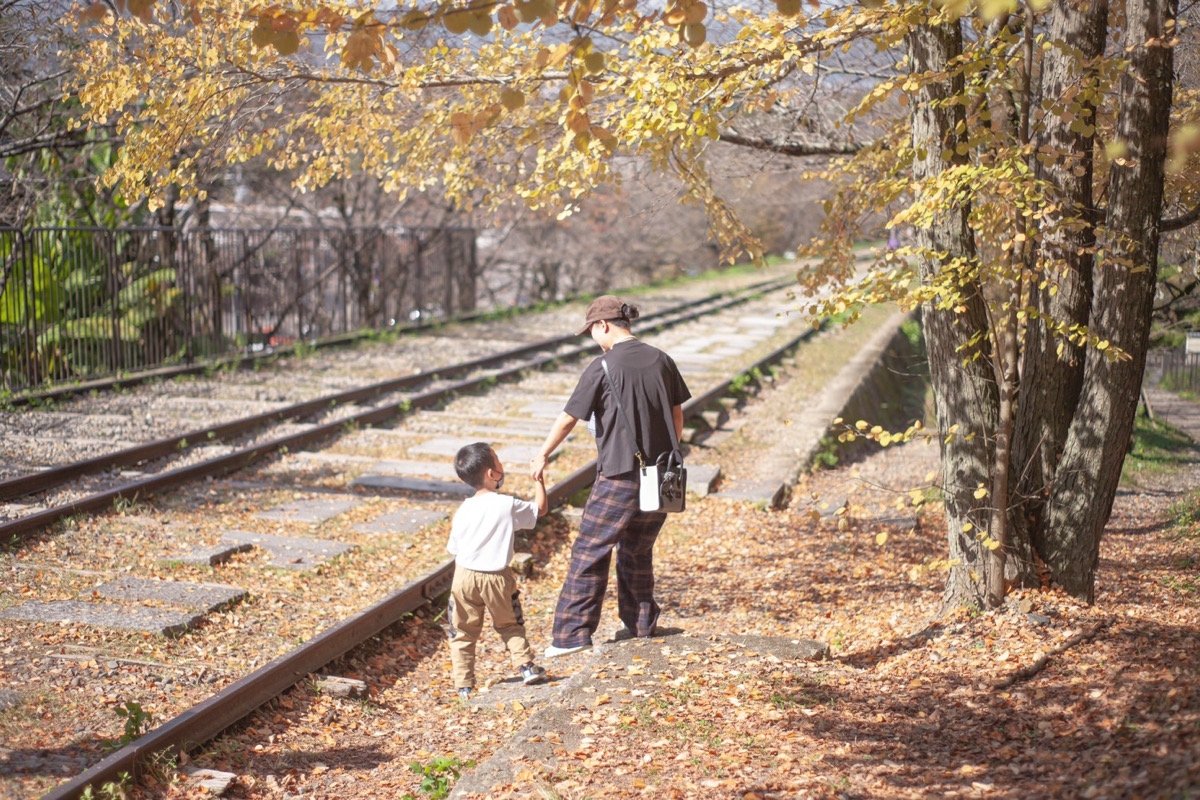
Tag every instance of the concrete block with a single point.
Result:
(438, 445)
(408, 520)
(714, 417)
(400, 483)
(701, 478)
(202, 597)
(544, 409)
(212, 556)
(310, 511)
(342, 687)
(211, 782)
(430, 469)
(290, 552)
(767, 493)
(784, 648)
(161, 621)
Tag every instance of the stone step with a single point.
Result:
(202, 597)
(290, 552)
(765, 492)
(400, 483)
(409, 520)
(212, 556)
(161, 621)
(701, 478)
(309, 511)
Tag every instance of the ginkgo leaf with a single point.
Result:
(512, 99)
(694, 34)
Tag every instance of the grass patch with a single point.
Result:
(1158, 449)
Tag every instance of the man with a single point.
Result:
(651, 393)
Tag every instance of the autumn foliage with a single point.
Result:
(1031, 152)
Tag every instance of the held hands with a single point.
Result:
(537, 468)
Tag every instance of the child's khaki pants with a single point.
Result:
(470, 594)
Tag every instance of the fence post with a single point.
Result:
(299, 294)
(114, 289)
(419, 275)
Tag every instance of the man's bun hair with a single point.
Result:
(629, 312)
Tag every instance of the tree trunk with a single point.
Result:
(1051, 382)
(965, 392)
(1090, 467)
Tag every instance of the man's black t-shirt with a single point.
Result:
(649, 384)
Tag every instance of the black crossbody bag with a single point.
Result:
(663, 484)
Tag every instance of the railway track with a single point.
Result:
(170, 460)
(320, 536)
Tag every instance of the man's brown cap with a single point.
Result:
(608, 307)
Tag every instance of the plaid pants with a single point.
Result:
(610, 519)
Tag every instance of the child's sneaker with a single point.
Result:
(464, 693)
(531, 673)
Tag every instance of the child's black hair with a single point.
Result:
(472, 461)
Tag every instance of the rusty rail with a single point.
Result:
(144, 487)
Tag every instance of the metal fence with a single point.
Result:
(84, 303)
(1173, 369)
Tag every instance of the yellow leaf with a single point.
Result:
(512, 99)
(695, 34)
(286, 42)
(881, 538)
(457, 22)
(480, 23)
(593, 62)
(980, 493)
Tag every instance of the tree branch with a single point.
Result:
(1180, 222)
(58, 138)
(791, 148)
(1027, 672)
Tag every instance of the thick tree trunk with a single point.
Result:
(1090, 467)
(965, 392)
(1052, 382)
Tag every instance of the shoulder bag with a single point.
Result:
(663, 484)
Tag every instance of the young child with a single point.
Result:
(481, 540)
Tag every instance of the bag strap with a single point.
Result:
(621, 410)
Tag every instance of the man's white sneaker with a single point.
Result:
(555, 652)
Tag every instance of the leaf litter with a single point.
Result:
(1046, 697)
